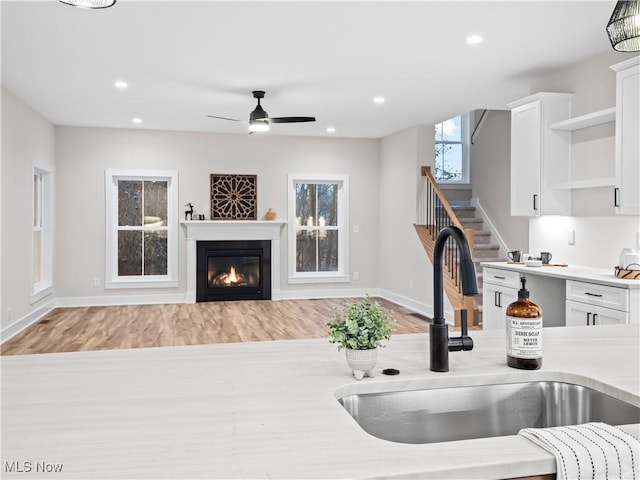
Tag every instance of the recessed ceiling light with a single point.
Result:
(120, 84)
(331, 129)
(136, 120)
(378, 100)
(474, 39)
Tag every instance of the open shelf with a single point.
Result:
(584, 121)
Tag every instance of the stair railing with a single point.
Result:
(434, 213)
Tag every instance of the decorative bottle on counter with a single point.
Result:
(524, 332)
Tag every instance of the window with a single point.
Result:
(141, 229)
(318, 233)
(42, 258)
(451, 152)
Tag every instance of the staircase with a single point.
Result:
(434, 213)
(482, 250)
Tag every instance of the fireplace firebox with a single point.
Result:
(233, 270)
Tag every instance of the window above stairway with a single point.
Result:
(451, 151)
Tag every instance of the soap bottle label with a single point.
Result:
(524, 337)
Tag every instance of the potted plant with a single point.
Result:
(360, 328)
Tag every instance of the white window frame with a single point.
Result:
(42, 222)
(112, 279)
(465, 136)
(342, 274)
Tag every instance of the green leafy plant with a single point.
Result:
(360, 326)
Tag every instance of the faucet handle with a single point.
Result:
(464, 341)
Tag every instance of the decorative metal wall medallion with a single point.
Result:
(233, 197)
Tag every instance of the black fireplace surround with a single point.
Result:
(233, 270)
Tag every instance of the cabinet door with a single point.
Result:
(627, 193)
(495, 300)
(490, 310)
(582, 314)
(525, 159)
(607, 316)
(578, 314)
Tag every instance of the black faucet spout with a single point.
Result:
(440, 343)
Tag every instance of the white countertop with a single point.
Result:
(602, 276)
(269, 409)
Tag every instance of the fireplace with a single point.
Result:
(233, 270)
(197, 231)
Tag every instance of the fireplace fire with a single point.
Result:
(231, 278)
(247, 275)
(233, 270)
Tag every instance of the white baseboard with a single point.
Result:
(328, 293)
(415, 306)
(408, 303)
(103, 301)
(26, 321)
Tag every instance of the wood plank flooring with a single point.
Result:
(136, 326)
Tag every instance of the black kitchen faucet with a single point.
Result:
(440, 343)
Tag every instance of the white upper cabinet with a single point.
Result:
(627, 156)
(540, 155)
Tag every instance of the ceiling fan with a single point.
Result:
(259, 119)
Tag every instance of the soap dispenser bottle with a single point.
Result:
(524, 332)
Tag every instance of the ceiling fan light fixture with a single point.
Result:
(92, 4)
(258, 113)
(259, 120)
(624, 26)
(259, 125)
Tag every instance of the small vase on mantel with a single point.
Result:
(271, 214)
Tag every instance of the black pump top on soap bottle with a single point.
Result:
(523, 293)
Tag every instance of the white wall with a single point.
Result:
(600, 234)
(83, 154)
(27, 142)
(599, 240)
(405, 270)
(491, 177)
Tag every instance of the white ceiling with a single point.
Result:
(184, 60)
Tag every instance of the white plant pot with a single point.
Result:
(362, 362)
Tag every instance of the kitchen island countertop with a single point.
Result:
(270, 409)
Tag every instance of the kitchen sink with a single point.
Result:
(458, 413)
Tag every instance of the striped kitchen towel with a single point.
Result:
(589, 451)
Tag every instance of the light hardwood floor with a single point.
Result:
(135, 326)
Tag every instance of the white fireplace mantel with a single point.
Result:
(212, 230)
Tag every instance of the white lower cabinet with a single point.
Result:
(495, 301)
(590, 304)
(566, 297)
(499, 289)
(582, 314)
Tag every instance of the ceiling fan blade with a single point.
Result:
(291, 119)
(225, 118)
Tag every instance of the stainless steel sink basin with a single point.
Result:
(457, 413)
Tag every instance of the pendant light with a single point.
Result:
(94, 4)
(624, 26)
